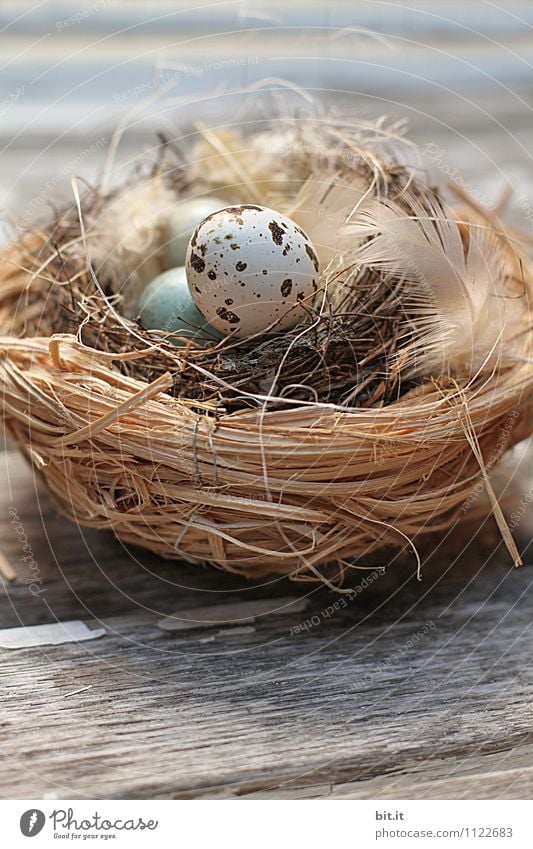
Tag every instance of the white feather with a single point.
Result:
(324, 207)
(463, 317)
(125, 243)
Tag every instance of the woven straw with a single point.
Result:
(255, 492)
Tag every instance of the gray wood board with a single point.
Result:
(418, 689)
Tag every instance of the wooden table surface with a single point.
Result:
(409, 690)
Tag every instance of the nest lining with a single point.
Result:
(344, 356)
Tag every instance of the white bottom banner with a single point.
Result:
(260, 824)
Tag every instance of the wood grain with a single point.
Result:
(419, 689)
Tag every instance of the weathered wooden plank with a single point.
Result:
(384, 696)
(504, 775)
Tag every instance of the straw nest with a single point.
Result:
(375, 421)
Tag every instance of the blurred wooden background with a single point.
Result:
(461, 73)
(414, 690)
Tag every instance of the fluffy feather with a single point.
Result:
(464, 316)
(244, 169)
(125, 242)
(324, 207)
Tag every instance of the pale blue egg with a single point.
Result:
(166, 304)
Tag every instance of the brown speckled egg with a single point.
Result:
(249, 268)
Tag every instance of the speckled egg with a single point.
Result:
(166, 304)
(182, 222)
(249, 268)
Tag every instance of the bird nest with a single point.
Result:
(374, 421)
